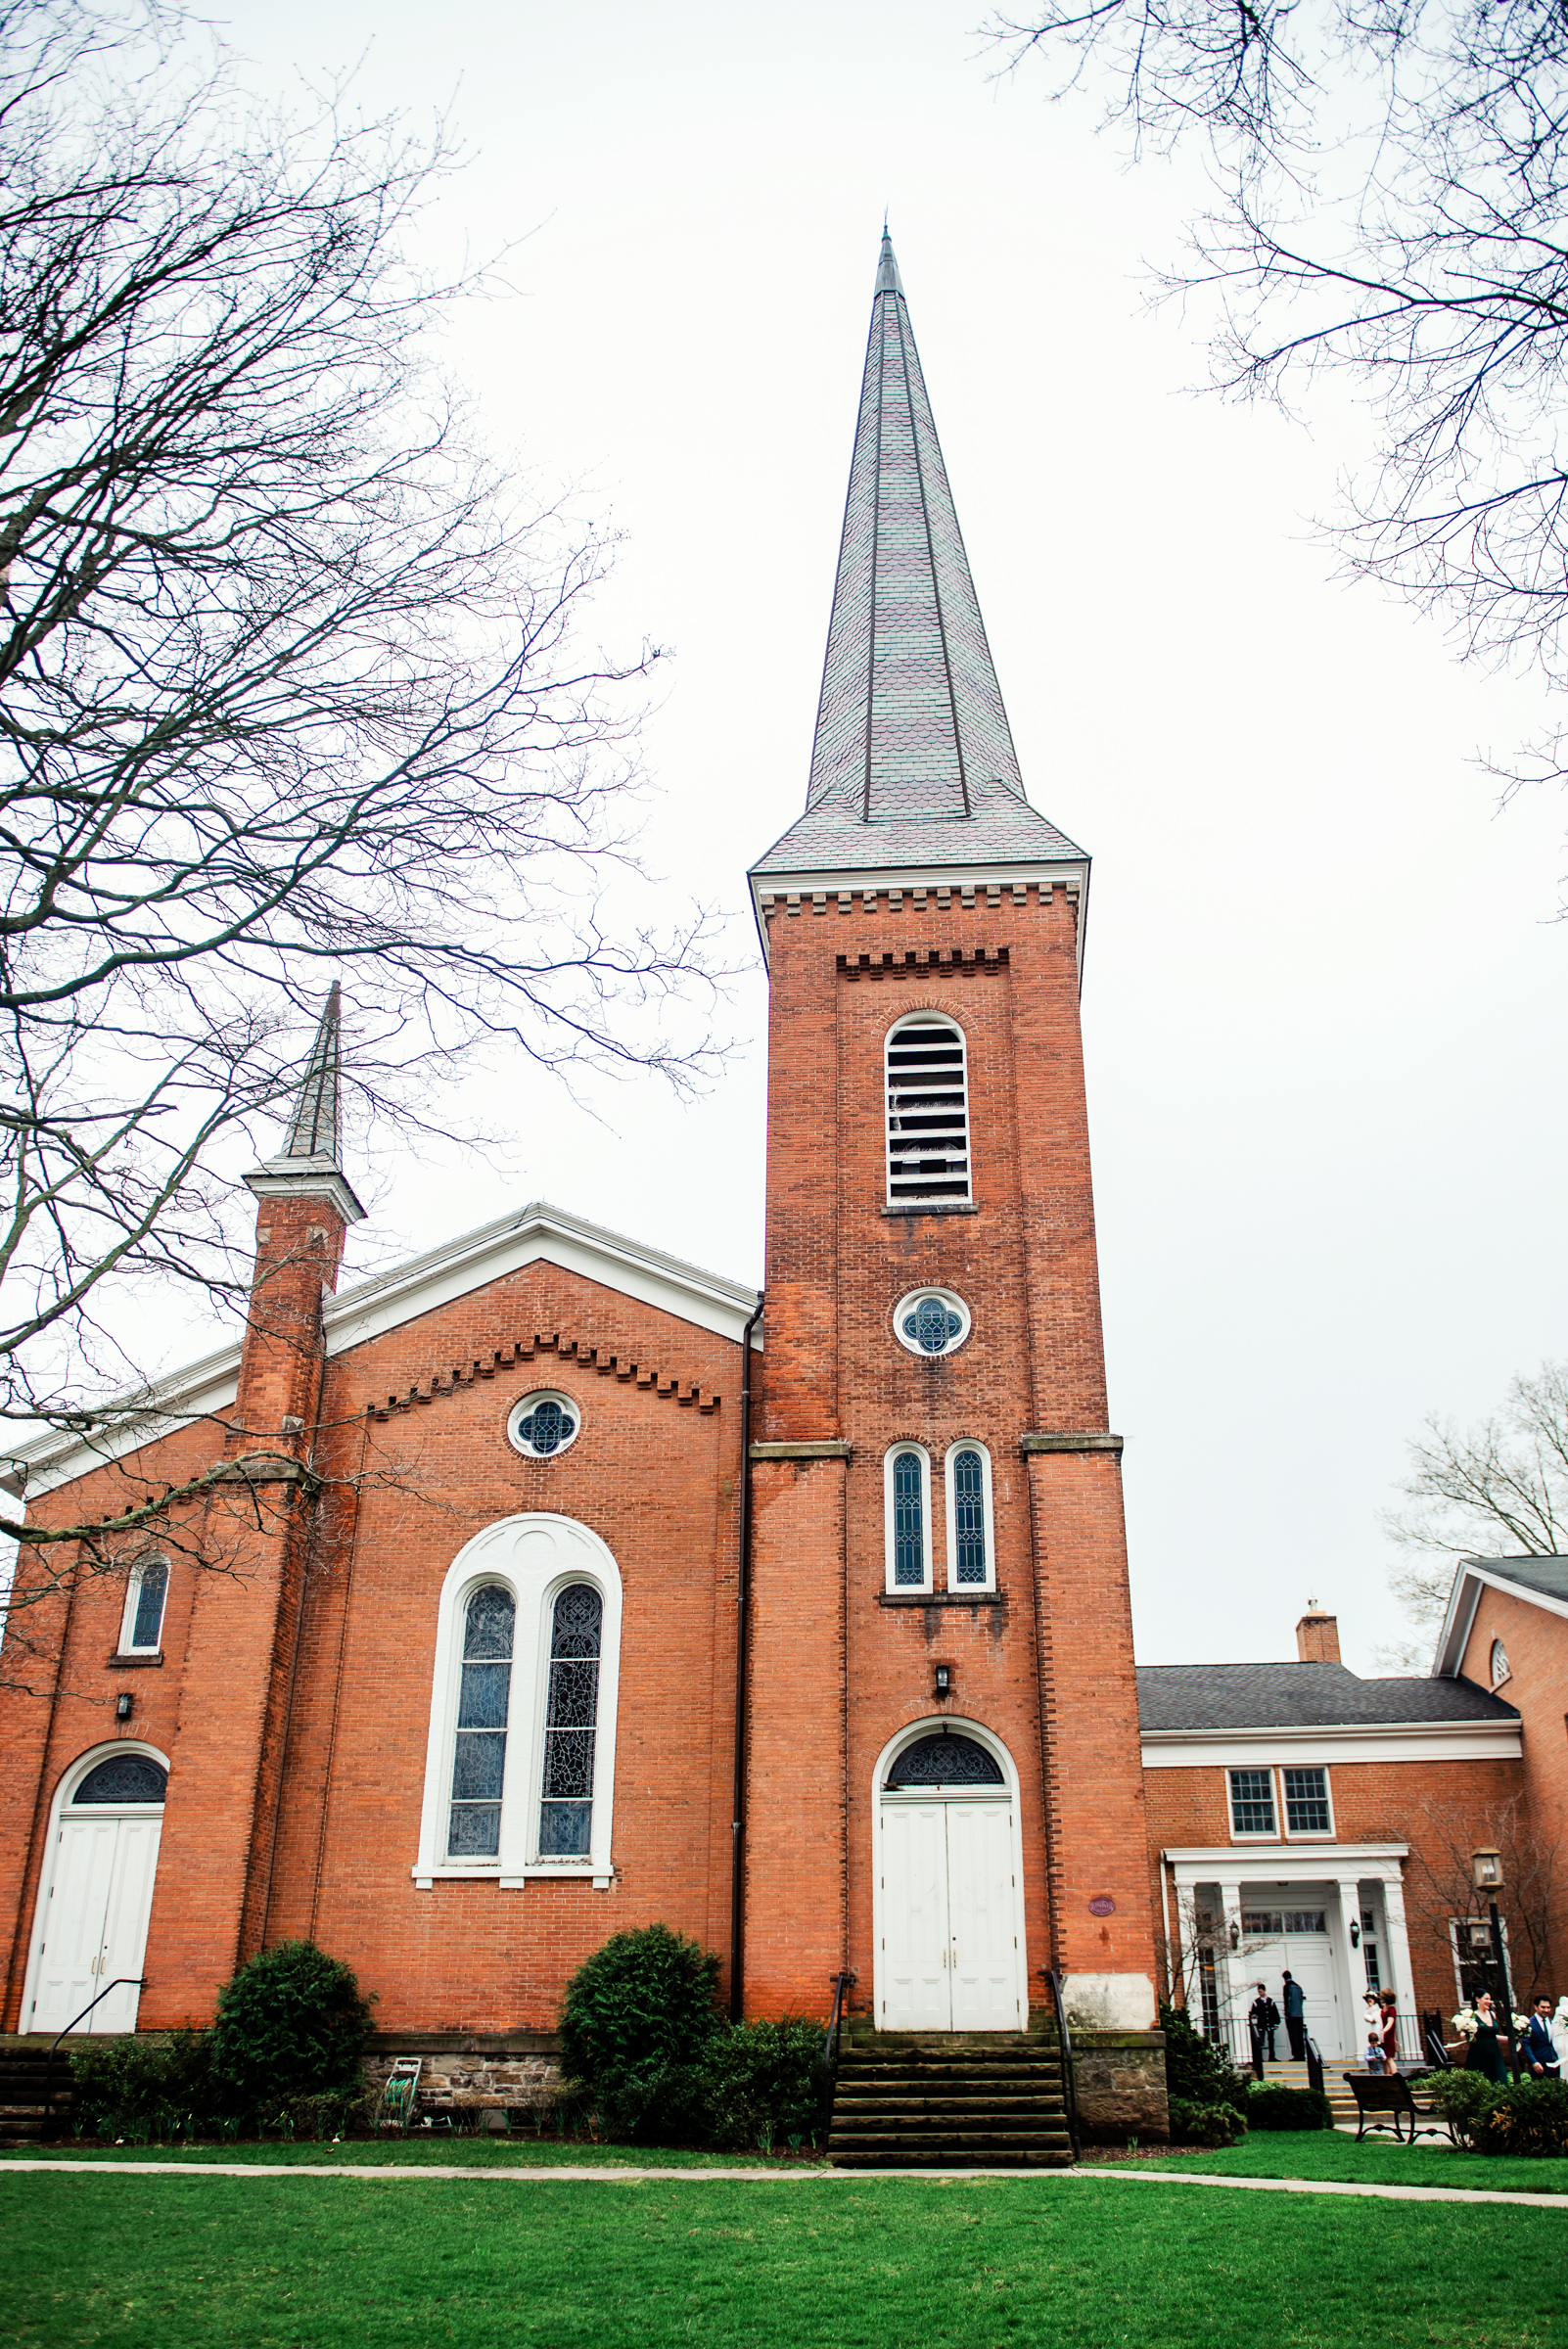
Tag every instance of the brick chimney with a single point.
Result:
(1318, 1636)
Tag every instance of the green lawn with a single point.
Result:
(140, 2262)
(1326, 2153)
(434, 2152)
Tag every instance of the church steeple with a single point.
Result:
(912, 720)
(912, 763)
(309, 1164)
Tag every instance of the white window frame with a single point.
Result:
(927, 1584)
(133, 1595)
(534, 1573)
(1252, 1834)
(922, 1019)
(988, 1515)
(1282, 1807)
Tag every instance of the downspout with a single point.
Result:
(743, 1577)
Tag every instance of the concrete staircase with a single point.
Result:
(23, 2074)
(925, 2100)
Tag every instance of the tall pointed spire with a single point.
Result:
(910, 721)
(310, 1164)
(313, 1128)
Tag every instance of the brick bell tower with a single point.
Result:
(943, 1788)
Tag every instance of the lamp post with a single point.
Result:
(1487, 1869)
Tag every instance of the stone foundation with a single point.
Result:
(518, 2073)
(1120, 2086)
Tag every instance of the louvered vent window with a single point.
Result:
(928, 1112)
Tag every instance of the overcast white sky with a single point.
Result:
(1323, 993)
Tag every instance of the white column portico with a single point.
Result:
(1397, 1939)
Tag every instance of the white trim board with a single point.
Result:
(1283, 1862)
(534, 1234)
(1242, 1749)
(1474, 1576)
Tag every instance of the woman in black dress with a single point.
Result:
(1486, 2048)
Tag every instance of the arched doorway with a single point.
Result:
(97, 1893)
(949, 1904)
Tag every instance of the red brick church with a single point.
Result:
(547, 1586)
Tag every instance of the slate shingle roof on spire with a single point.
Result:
(914, 760)
(313, 1128)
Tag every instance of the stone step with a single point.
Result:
(1057, 2159)
(960, 2105)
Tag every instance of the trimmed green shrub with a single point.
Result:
(761, 2083)
(1205, 2124)
(1275, 2106)
(293, 2023)
(636, 2026)
(1195, 2070)
(140, 2088)
(1528, 2116)
(1462, 2097)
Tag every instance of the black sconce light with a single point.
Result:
(1235, 1937)
(944, 1680)
(1356, 1935)
(122, 1705)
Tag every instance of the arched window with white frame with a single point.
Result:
(928, 1112)
(906, 1504)
(971, 1531)
(141, 1626)
(520, 1761)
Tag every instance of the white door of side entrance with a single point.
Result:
(950, 1957)
(97, 1899)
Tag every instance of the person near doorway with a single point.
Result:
(1295, 2015)
(1537, 2050)
(1263, 2020)
(1374, 2049)
(1389, 2029)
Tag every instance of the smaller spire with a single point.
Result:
(313, 1128)
(887, 279)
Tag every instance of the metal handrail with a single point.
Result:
(830, 2046)
(1065, 2040)
(1314, 2063)
(118, 1983)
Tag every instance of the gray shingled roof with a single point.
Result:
(1549, 1576)
(1300, 1696)
(912, 763)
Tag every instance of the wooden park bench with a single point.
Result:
(1380, 2093)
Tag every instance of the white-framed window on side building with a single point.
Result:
(1307, 1809)
(1252, 1803)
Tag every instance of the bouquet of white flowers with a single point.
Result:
(1467, 2022)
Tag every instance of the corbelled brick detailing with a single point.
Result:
(887, 965)
(591, 1357)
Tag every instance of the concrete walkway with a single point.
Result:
(578, 2174)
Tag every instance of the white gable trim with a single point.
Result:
(1472, 1578)
(537, 1233)
(1409, 1741)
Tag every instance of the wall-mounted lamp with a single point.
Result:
(944, 1680)
(1235, 1937)
(1356, 1935)
(122, 1705)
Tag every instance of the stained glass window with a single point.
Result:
(478, 1760)
(546, 1427)
(932, 1326)
(152, 1588)
(969, 1516)
(124, 1779)
(908, 1521)
(571, 1721)
(946, 1761)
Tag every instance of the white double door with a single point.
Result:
(1310, 1958)
(93, 1920)
(950, 1955)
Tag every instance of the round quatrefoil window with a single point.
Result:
(541, 1425)
(931, 1322)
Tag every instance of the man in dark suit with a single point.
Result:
(1295, 2015)
(1538, 2051)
